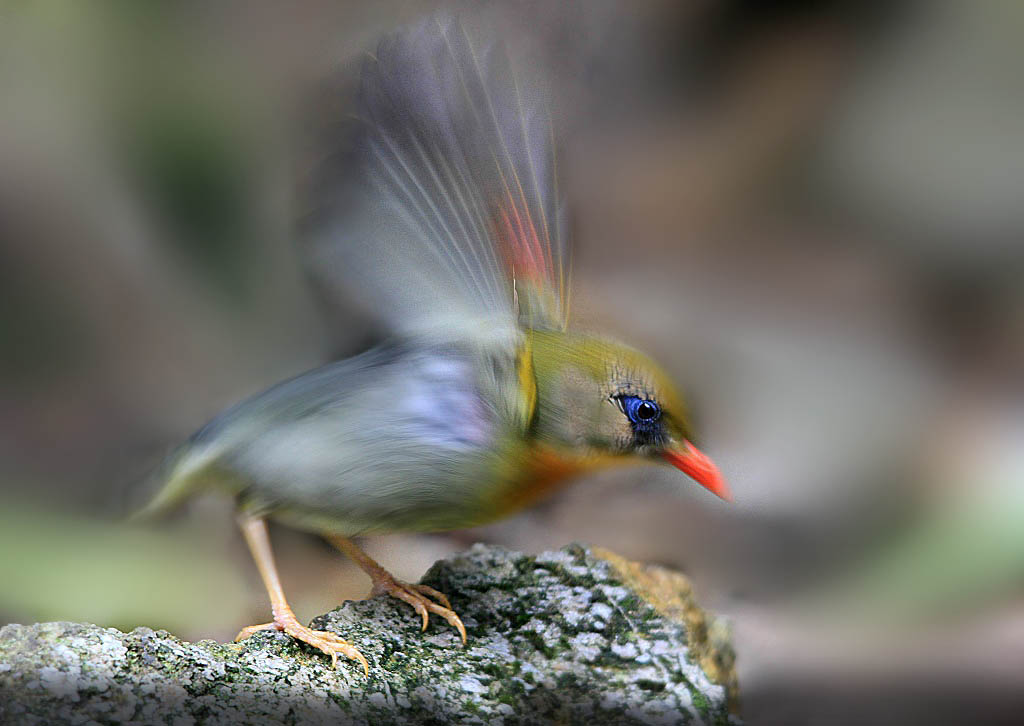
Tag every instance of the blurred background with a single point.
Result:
(812, 212)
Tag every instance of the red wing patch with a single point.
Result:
(521, 248)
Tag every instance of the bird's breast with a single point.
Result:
(542, 470)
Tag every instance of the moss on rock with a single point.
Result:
(571, 636)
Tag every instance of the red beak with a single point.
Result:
(695, 464)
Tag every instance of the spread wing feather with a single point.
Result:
(451, 218)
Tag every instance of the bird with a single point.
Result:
(448, 222)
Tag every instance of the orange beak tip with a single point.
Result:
(698, 466)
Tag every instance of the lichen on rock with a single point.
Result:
(571, 636)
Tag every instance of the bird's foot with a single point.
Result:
(419, 596)
(322, 640)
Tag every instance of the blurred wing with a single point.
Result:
(453, 219)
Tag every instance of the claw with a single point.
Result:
(402, 593)
(417, 596)
(323, 640)
(431, 592)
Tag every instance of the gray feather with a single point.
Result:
(403, 437)
(399, 438)
(448, 130)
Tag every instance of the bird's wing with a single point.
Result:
(454, 220)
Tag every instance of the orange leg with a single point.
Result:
(255, 531)
(384, 582)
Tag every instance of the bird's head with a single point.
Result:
(605, 398)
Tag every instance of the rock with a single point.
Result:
(574, 636)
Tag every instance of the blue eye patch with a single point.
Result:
(639, 410)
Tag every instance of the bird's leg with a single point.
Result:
(419, 596)
(255, 531)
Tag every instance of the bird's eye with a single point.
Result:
(647, 411)
(639, 410)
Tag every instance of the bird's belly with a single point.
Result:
(424, 493)
(434, 494)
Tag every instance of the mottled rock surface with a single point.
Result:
(574, 636)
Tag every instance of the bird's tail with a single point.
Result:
(176, 479)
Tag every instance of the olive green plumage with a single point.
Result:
(452, 229)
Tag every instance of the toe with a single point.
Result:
(326, 642)
(418, 596)
(431, 592)
(352, 653)
(253, 629)
(332, 637)
(451, 616)
(413, 599)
